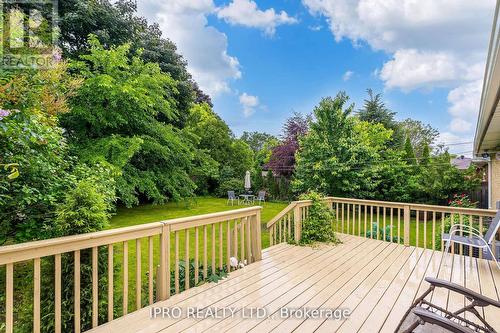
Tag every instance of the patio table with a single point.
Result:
(247, 199)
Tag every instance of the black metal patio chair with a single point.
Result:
(423, 316)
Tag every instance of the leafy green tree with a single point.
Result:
(117, 23)
(257, 140)
(122, 112)
(420, 134)
(337, 155)
(409, 152)
(375, 111)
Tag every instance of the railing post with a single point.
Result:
(163, 279)
(297, 222)
(406, 221)
(256, 237)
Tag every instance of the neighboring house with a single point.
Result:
(461, 162)
(487, 138)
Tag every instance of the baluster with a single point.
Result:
(366, 218)
(288, 219)
(125, 278)
(235, 238)
(138, 285)
(95, 292)
(359, 220)
(77, 291)
(337, 215)
(371, 222)
(354, 219)
(242, 238)
(110, 282)
(343, 230)
(470, 234)
(383, 223)
(186, 260)
(425, 229)
(481, 232)
(399, 225)
(378, 222)
(228, 246)
(391, 219)
(205, 253)
(348, 219)
(221, 243)
(434, 230)
(36, 295)
(213, 248)
(150, 268)
(417, 227)
(461, 248)
(248, 239)
(196, 250)
(57, 290)
(442, 229)
(279, 231)
(176, 272)
(9, 298)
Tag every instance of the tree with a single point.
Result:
(420, 134)
(409, 152)
(121, 115)
(257, 140)
(337, 155)
(375, 111)
(117, 23)
(282, 160)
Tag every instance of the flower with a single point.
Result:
(4, 113)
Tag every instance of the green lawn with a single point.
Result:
(153, 213)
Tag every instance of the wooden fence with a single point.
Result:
(226, 230)
(409, 224)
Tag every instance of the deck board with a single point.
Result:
(376, 280)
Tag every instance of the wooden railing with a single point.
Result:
(409, 224)
(226, 229)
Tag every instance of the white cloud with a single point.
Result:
(433, 43)
(203, 46)
(249, 103)
(315, 27)
(247, 13)
(347, 75)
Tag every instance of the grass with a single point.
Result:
(153, 213)
(425, 230)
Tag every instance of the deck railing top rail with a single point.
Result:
(48, 247)
(414, 206)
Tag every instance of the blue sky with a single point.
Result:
(262, 60)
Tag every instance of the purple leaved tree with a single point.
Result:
(282, 160)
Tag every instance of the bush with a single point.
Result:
(380, 231)
(232, 184)
(317, 227)
(84, 210)
(459, 200)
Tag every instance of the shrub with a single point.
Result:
(317, 227)
(232, 184)
(459, 200)
(380, 231)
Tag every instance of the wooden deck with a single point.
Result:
(376, 280)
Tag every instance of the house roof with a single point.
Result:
(487, 137)
(461, 163)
